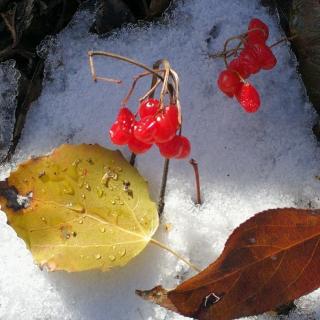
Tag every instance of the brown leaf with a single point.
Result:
(269, 260)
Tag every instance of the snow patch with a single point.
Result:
(248, 162)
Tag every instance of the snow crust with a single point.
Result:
(248, 163)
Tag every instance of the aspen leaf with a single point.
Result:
(268, 261)
(82, 207)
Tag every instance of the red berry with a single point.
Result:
(120, 133)
(229, 82)
(137, 146)
(145, 129)
(236, 65)
(178, 147)
(269, 62)
(259, 35)
(265, 55)
(185, 148)
(172, 148)
(171, 113)
(249, 60)
(125, 115)
(248, 97)
(148, 107)
(167, 124)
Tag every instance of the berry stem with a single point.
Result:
(240, 37)
(177, 101)
(173, 97)
(161, 202)
(135, 80)
(151, 91)
(91, 54)
(284, 39)
(194, 164)
(164, 88)
(227, 53)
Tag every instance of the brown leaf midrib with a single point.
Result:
(253, 263)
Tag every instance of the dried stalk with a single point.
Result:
(194, 164)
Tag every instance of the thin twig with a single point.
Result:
(166, 66)
(94, 74)
(151, 91)
(135, 80)
(164, 89)
(161, 202)
(234, 51)
(177, 100)
(133, 159)
(241, 38)
(91, 54)
(284, 39)
(194, 164)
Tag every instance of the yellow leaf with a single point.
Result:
(88, 209)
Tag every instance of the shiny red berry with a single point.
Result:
(120, 133)
(125, 115)
(249, 60)
(185, 148)
(170, 149)
(171, 113)
(248, 97)
(237, 66)
(148, 107)
(269, 60)
(137, 146)
(265, 55)
(229, 82)
(167, 124)
(259, 35)
(144, 130)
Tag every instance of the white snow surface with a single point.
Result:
(248, 162)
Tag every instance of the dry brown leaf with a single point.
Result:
(269, 260)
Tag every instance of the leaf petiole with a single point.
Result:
(163, 246)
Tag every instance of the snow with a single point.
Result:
(248, 162)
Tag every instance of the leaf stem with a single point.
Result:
(163, 246)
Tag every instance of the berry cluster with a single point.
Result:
(254, 56)
(157, 125)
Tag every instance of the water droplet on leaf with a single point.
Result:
(68, 189)
(122, 252)
(100, 192)
(76, 207)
